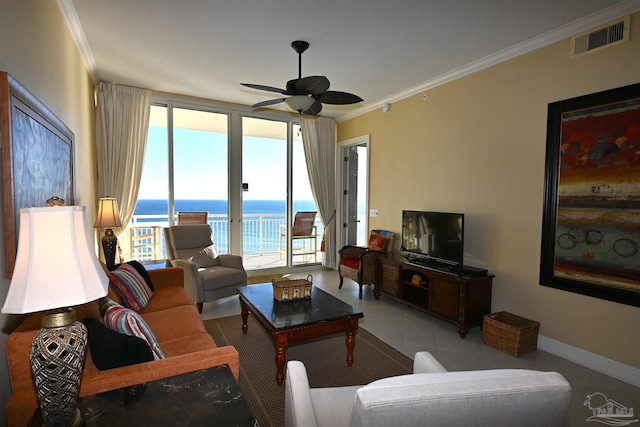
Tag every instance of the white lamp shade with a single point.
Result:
(56, 265)
(300, 102)
(108, 213)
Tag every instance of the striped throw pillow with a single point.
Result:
(128, 322)
(131, 287)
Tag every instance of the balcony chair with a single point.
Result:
(208, 276)
(189, 218)
(431, 396)
(359, 263)
(303, 228)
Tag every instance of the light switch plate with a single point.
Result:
(373, 213)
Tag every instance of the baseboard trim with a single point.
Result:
(614, 369)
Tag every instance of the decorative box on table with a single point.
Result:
(290, 290)
(510, 333)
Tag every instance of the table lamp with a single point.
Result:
(108, 217)
(56, 267)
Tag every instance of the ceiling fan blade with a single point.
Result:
(338, 98)
(291, 87)
(314, 85)
(268, 102)
(315, 108)
(267, 88)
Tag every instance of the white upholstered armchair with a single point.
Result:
(431, 396)
(208, 276)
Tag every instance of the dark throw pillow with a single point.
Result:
(143, 272)
(110, 349)
(128, 322)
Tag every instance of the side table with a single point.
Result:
(209, 397)
(154, 264)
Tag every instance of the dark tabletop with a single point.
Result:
(321, 307)
(209, 397)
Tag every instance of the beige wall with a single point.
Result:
(477, 145)
(36, 48)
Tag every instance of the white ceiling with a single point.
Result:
(379, 50)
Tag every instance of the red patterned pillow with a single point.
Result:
(377, 243)
(131, 287)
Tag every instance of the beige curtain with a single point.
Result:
(319, 141)
(122, 123)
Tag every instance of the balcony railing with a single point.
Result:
(262, 240)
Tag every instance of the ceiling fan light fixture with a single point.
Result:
(299, 103)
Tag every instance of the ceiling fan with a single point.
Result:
(306, 95)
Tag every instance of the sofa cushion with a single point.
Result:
(175, 322)
(220, 277)
(126, 321)
(109, 349)
(188, 344)
(351, 262)
(333, 405)
(131, 287)
(169, 297)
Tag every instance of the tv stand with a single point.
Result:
(457, 298)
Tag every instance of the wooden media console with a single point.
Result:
(459, 299)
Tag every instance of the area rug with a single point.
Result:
(324, 358)
(266, 278)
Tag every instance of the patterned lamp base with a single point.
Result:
(109, 246)
(57, 359)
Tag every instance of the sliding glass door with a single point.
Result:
(264, 196)
(200, 168)
(185, 170)
(248, 173)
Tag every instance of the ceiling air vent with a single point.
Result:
(602, 37)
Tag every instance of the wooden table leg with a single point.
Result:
(281, 357)
(351, 342)
(245, 316)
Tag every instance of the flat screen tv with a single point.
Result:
(438, 236)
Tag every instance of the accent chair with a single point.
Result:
(303, 228)
(359, 263)
(431, 396)
(189, 218)
(208, 276)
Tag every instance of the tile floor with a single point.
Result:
(410, 330)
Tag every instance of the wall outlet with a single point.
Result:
(373, 213)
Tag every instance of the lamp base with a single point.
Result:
(109, 246)
(57, 360)
(78, 419)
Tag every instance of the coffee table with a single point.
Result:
(300, 320)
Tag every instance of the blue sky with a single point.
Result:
(201, 167)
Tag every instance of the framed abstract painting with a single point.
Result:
(37, 158)
(591, 219)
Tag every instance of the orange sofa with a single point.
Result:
(172, 316)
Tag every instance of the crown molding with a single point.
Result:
(599, 18)
(77, 33)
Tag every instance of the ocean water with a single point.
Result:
(161, 207)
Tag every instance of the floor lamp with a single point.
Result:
(56, 267)
(108, 217)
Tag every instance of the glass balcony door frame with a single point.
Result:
(235, 115)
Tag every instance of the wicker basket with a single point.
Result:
(512, 334)
(291, 290)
